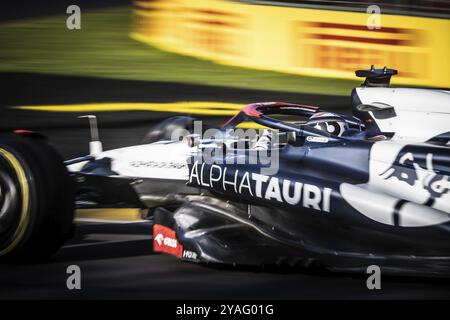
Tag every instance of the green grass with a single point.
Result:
(102, 48)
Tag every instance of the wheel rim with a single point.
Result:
(14, 202)
(9, 200)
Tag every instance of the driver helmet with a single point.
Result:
(328, 122)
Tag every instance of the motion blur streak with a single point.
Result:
(311, 42)
(201, 107)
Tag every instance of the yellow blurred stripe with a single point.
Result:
(190, 107)
(250, 125)
(254, 125)
(120, 214)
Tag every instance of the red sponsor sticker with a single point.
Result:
(165, 240)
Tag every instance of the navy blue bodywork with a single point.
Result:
(230, 212)
(240, 229)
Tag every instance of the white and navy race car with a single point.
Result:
(304, 186)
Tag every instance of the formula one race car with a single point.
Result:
(303, 186)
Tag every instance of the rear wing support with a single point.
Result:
(376, 77)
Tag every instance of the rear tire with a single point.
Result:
(36, 200)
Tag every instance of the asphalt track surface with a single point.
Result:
(116, 260)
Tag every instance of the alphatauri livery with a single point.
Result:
(311, 187)
(307, 187)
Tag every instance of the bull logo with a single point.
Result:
(413, 167)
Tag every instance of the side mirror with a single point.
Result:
(378, 109)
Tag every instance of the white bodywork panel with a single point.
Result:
(382, 156)
(380, 206)
(159, 160)
(421, 113)
(378, 198)
(156, 160)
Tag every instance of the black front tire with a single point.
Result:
(36, 200)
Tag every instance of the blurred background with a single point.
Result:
(133, 63)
